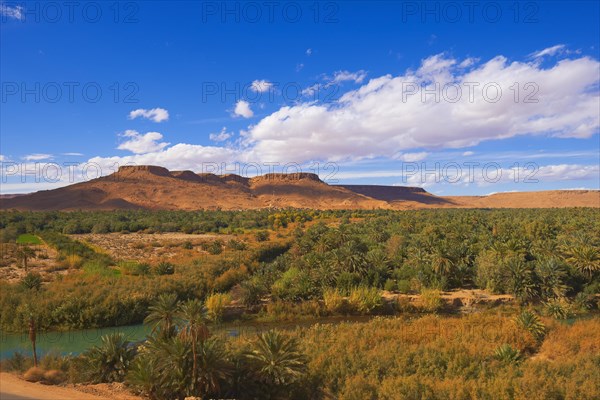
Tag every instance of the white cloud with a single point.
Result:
(221, 136)
(242, 109)
(412, 157)
(72, 154)
(299, 67)
(549, 51)
(309, 52)
(343, 76)
(468, 153)
(467, 62)
(261, 86)
(382, 118)
(2, 158)
(142, 144)
(38, 157)
(15, 12)
(181, 156)
(154, 114)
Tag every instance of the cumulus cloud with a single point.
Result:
(12, 12)
(181, 156)
(221, 136)
(261, 86)
(384, 119)
(142, 144)
(154, 114)
(38, 157)
(309, 52)
(242, 109)
(2, 158)
(389, 114)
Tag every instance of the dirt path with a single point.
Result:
(14, 388)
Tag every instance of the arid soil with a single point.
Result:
(43, 261)
(146, 246)
(152, 187)
(15, 388)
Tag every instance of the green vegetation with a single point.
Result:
(27, 238)
(487, 355)
(283, 264)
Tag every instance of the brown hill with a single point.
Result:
(153, 187)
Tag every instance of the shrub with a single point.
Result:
(230, 278)
(506, 354)
(364, 299)
(215, 247)
(530, 322)
(390, 285)
(54, 377)
(18, 362)
(34, 374)
(558, 308)
(32, 281)
(404, 286)
(215, 305)
(334, 301)
(295, 284)
(236, 245)
(187, 245)
(261, 236)
(251, 291)
(431, 300)
(165, 268)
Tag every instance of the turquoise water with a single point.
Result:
(68, 342)
(77, 341)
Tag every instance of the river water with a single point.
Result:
(77, 341)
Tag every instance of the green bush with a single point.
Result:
(165, 268)
(365, 300)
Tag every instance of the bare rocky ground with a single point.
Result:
(43, 262)
(145, 246)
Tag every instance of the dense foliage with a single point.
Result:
(312, 262)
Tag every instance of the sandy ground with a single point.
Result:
(145, 246)
(14, 388)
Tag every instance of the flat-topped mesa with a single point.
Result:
(292, 177)
(141, 170)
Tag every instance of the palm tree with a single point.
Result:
(213, 367)
(551, 275)
(163, 315)
(110, 361)
(530, 322)
(32, 337)
(24, 254)
(520, 279)
(507, 354)
(193, 320)
(277, 360)
(585, 259)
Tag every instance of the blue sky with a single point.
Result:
(362, 92)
